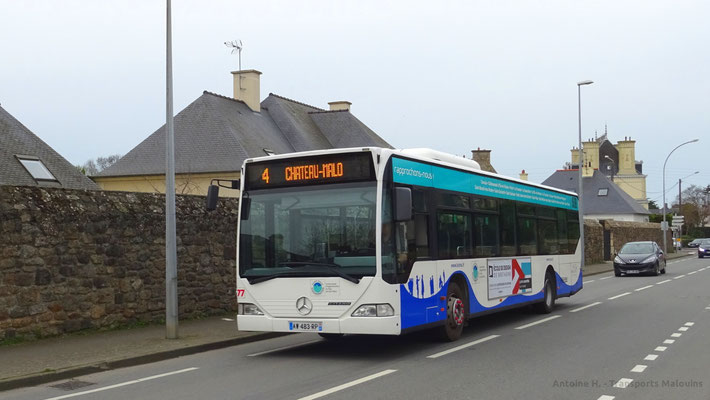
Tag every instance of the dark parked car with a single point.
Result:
(696, 242)
(704, 248)
(636, 258)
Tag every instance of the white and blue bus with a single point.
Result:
(382, 241)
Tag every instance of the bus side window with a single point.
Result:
(507, 228)
(454, 233)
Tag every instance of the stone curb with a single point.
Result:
(71, 372)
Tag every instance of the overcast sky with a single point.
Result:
(88, 77)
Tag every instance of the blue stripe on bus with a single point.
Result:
(415, 311)
(415, 173)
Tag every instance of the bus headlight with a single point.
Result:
(248, 309)
(374, 310)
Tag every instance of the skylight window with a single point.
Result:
(36, 168)
(603, 192)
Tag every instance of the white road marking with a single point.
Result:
(623, 383)
(676, 334)
(662, 282)
(605, 397)
(639, 368)
(349, 384)
(707, 308)
(651, 357)
(643, 288)
(463, 346)
(660, 348)
(228, 319)
(683, 328)
(587, 306)
(66, 396)
(679, 276)
(689, 323)
(619, 295)
(669, 341)
(283, 348)
(585, 282)
(692, 272)
(538, 322)
(606, 277)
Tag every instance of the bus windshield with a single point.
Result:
(325, 230)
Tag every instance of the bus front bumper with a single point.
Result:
(349, 325)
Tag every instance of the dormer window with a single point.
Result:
(36, 168)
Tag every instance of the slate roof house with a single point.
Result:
(602, 198)
(26, 160)
(215, 134)
(616, 161)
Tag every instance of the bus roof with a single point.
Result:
(421, 154)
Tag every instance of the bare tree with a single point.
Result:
(695, 207)
(93, 167)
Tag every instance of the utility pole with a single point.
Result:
(680, 209)
(171, 300)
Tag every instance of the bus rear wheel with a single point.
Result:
(455, 313)
(548, 302)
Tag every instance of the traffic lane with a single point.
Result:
(578, 355)
(276, 368)
(318, 349)
(604, 286)
(680, 371)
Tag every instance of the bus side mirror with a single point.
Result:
(246, 202)
(212, 197)
(403, 204)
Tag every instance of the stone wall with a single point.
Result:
(624, 232)
(73, 259)
(620, 234)
(593, 242)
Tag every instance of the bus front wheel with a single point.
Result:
(455, 313)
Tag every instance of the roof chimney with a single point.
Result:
(523, 176)
(246, 88)
(483, 158)
(340, 105)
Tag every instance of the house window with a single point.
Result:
(36, 168)
(603, 192)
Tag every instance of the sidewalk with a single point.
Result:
(47, 360)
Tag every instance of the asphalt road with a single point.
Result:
(624, 338)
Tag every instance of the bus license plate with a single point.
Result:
(305, 326)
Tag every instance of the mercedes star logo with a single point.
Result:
(304, 306)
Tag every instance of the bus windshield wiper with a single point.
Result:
(331, 267)
(265, 278)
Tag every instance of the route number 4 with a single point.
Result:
(265, 175)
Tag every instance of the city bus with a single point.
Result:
(383, 241)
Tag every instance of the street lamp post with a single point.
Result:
(581, 163)
(664, 226)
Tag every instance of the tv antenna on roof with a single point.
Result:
(236, 46)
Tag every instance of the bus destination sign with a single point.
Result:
(336, 168)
